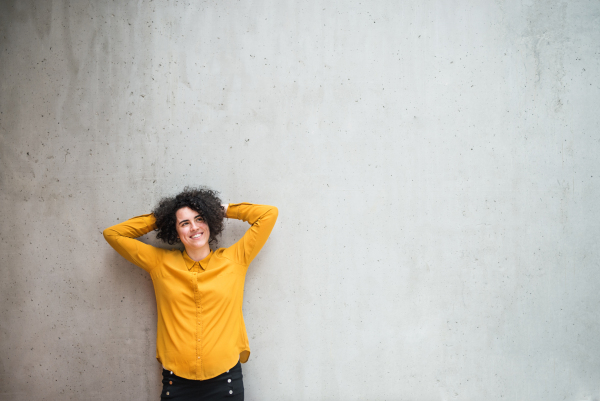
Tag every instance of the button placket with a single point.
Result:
(168, 392)
(199, 327)
(229, 384)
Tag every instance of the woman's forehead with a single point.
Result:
(186, 213)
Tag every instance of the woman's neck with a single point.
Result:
(198, 254)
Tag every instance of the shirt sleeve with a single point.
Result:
(122, 238)
(262, 219)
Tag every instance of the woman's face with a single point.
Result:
(192, 229)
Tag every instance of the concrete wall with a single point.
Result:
(435, 164)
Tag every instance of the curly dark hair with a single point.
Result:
(202, 200)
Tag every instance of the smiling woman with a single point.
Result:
(194, 232)
(202, 200)
(201, 335)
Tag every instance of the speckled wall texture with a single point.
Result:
(435, 164)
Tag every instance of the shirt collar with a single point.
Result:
(190, 263)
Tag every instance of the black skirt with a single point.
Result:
(226, 386)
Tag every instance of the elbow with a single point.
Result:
(108, 233)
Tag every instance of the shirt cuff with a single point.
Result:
(150, 221)
(233, 210)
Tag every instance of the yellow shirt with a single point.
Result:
(200, 329)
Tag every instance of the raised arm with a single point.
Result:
(262, 219)
(122, 238)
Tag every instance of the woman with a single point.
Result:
(201, 337)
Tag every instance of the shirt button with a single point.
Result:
(170, 382)
(230, 392)
(228, 380)
(227, 371)
(168, 393)
(171, 372)
(198, 357)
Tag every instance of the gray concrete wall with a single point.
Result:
(435, 164)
